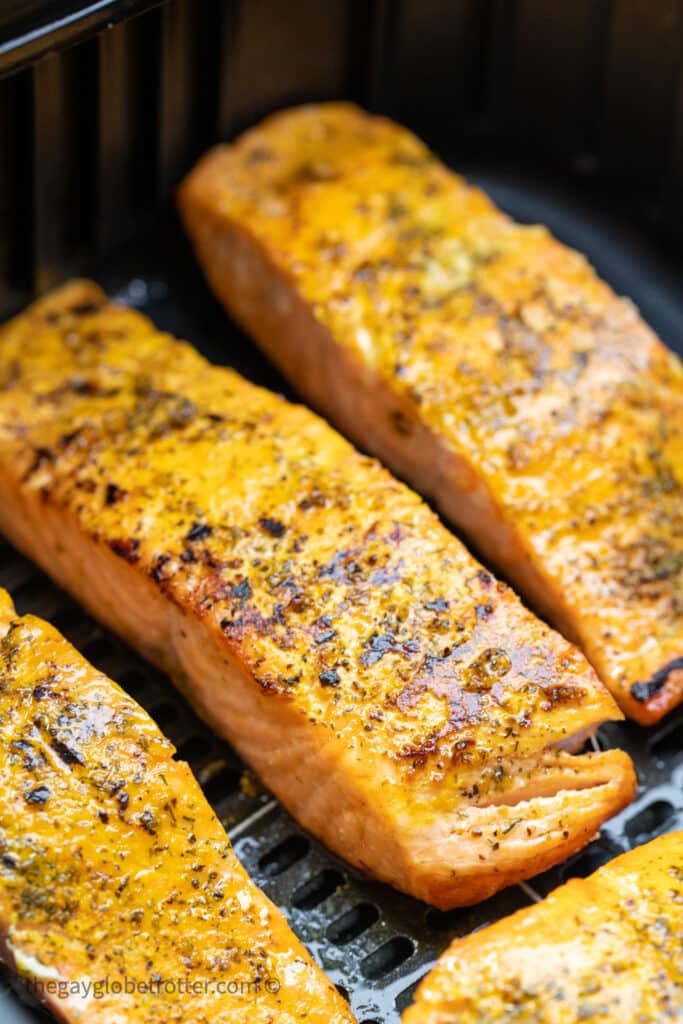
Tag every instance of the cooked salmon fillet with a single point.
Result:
(607, 949)
(480, 359)
(115, 872)
(403, 705)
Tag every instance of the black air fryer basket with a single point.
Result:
(568, 113)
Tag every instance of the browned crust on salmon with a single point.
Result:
(398, 699)
(121, 898)
(480, 359)
(604, 948)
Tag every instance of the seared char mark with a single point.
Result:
(380, 643)
(645, 691)
(160, 572)
(41, 458)
(68, 754)
(199, 531)
(272, 526)
(114, 494)
(127, 548)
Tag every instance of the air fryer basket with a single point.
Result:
(531, 104)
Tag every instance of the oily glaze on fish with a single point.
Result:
(114, 870)
(605, 948)
(482, 360)
(401, 702)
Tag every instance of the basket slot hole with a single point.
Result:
(284, 856)
(221, 784)
(650, 822)
(343, 992)
(668, 743)
(352, 924)
(387, 957)
(194, 749)
(317, 889)
(586, 863)
(164, 714)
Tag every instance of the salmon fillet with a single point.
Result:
(607, 948)
(480, 359)
(114, 870)
(401, 702)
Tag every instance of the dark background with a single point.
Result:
(570, 113)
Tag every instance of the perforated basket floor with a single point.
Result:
(374, 943)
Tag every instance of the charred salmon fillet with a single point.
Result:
(480, 359)
(121, 899)
(606, 948)
(402, 703)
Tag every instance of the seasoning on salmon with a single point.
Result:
(401, 702)
(606, 949)
(121, 898)
(482, 360)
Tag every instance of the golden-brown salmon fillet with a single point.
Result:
(480, 359)
(607, 948)
(402, 703)
(121, 898)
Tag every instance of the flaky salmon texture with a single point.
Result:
(400, 701)
(606, 948)
(481, 359)
(121, 899)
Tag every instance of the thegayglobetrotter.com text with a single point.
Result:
(101, 988)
